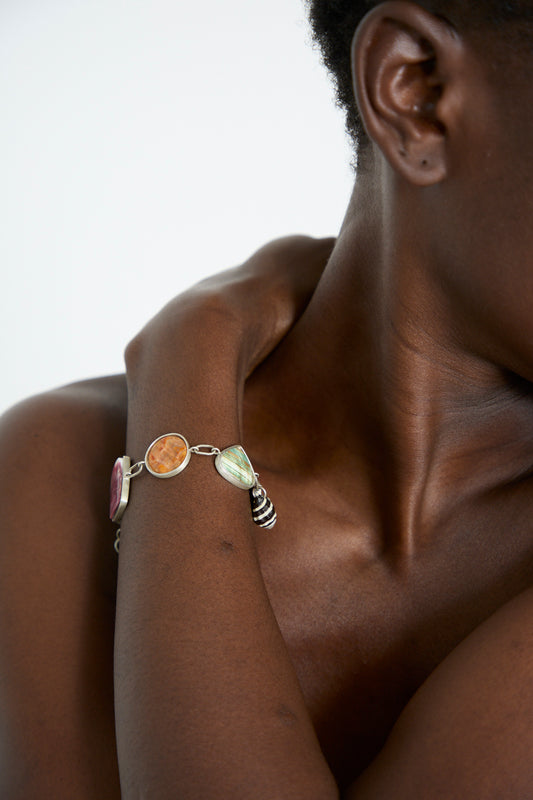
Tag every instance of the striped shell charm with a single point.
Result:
(234, 465)
(263, 511)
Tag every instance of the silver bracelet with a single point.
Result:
(169, 454)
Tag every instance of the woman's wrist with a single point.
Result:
(198, 394)
(202, 417)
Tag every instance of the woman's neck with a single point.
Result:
(378, 379)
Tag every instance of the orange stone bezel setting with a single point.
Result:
(163, 463)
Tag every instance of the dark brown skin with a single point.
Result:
(57, 585)
(393, 429)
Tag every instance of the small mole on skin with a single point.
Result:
(287, 716)
(227, 547)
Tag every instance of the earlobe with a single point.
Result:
(405, 67)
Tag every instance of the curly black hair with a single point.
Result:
(333, 23)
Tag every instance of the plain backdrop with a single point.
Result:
(145, 144)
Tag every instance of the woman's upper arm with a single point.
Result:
(468, 732)
(56, 617)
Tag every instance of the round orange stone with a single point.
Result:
(167, 454)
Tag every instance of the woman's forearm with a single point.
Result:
(208, 704)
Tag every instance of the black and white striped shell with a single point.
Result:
(263, 511)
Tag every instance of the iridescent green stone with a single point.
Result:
(234, 465)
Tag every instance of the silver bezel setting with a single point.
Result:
(174, 471)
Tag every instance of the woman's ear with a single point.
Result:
(407, 66)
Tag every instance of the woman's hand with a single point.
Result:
(254, 305)
(204, 344)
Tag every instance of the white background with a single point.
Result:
(145, 144)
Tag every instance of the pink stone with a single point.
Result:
(120, 488)
(116, 487)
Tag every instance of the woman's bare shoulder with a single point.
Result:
(468, 731)
(57, 450)
(57, 591)
(104, 395)
(85, 416)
